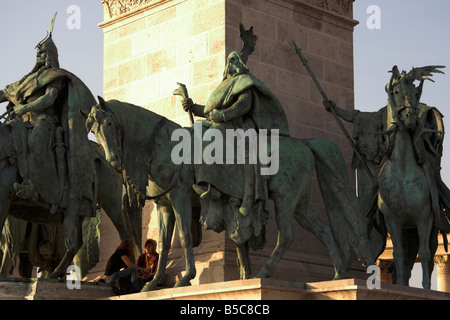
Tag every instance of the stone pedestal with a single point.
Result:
(238, 290)
(44, 289)
(151, 45)
(271, 289)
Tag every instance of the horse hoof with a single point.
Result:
(182, 283)
(340, 275)
(149, 286)
(264, 273)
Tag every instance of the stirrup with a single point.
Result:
(204, 191)
(244, 211)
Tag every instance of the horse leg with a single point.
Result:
(310, 221)
(8, 175)
(243, 261)
(182, 205)
(395, 231)
(434, 242)
(4, 205)
(166, 225)
(424, 232)
(61, 270)
(411, 245)
(284, 211)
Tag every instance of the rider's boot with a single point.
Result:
(249, 190)
(26, 190)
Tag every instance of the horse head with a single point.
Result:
(102, 124)
(404, 95)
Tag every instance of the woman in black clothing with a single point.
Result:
(121, 259)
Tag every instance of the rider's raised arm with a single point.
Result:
(197, 109)
(346, 115)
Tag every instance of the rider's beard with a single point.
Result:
(39, 65)
(230, 71)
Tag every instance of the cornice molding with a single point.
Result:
(116, 10)
(341, 7)
(337, 10)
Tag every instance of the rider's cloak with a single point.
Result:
(76, 97)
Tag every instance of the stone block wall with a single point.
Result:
(324, 32)
(150, 45)
(148, 52)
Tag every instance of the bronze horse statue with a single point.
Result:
(109, 186)
(138, 144)
(409, 187)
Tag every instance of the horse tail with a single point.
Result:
(347, 221)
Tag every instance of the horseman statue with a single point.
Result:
(378, 135)
(49, 138)
(240, 103)
(374, 138)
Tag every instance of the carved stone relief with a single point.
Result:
(118, 7)
(342, 7)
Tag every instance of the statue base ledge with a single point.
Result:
(252, 289)
(272, 289)
(47, 289)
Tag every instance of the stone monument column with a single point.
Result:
(443, 272)
(150, 45)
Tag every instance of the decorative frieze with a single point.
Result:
(342, 7)
(117, 8)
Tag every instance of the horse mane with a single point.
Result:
(126, 114)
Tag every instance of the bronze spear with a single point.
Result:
(333, 111)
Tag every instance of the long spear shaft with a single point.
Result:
(4, 115)
(333, 111)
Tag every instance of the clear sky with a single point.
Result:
(413, 33)
(23, 23)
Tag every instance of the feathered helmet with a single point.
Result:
(420, 74)
(249, 40)
(49, 47)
